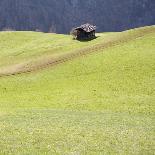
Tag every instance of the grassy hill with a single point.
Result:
(98, 100)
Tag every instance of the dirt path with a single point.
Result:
(48, 62)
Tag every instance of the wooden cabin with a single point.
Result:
(84, 32)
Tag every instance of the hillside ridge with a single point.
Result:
(43, 63)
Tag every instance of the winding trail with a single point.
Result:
(42, 63)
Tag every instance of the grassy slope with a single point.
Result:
(17, 47)
(99, 104)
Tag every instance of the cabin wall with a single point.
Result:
(85, 35)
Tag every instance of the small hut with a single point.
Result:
(84, 32)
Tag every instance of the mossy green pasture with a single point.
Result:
(101, 103)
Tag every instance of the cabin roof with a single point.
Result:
(86, 27)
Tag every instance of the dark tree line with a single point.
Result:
(62, 15)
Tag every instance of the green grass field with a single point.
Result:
(96, 104)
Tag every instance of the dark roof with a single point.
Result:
(86, 27)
